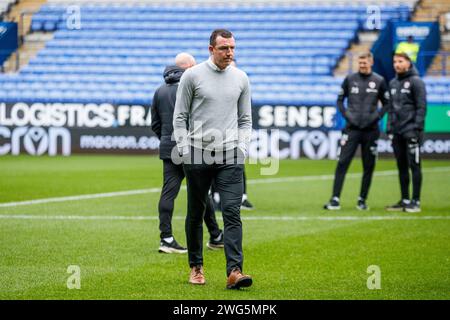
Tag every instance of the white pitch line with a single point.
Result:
(245, 218)
(157, 190)
(80, 197)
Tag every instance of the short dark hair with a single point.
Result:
(366, 55)
(403, 55)
(219, 32)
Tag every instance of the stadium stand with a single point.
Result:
(409, 3)
(118, 54)
(5, 6)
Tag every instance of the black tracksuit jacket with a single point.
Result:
(363, 93)
(407, 108)
(162, 110)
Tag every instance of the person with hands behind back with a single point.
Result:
(362, 90)
(406, 120)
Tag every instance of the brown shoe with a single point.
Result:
(197, 276)
(237, 279)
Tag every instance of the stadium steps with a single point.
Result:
(436, 68)
(24, 5)
(26, 50)
(431, 10)
(32, 45)
(5, 6)
(365, 41)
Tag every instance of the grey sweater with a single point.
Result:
(213, 109)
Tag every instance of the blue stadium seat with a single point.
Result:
(121, 51)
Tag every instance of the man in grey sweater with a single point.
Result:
(212, 128)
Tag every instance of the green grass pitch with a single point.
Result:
(293, 248)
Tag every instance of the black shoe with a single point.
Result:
(413, 206)
(173, 247)
(333, 204)
(216, 244)
(361, 205)
(399, 206)
(246, 205)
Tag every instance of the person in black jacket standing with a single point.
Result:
(363, 90)
(162, 125)
(406, 119)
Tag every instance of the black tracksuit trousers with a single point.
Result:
(368, 141)
(173, 177)
(407, 154)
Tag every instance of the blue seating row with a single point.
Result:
(71, 96)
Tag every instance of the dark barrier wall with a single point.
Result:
(285, 131)
(59, 128)
(314, 132)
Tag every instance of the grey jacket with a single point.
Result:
(213, 109)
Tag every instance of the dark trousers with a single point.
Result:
(407, 154)
(244, 182)
(173, 177)
(368, 141)
(228, 181)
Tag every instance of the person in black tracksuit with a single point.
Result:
(406, 119)
(162, 118)
(363, 90)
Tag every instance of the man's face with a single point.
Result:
(365, 65)
(223, 51)
(401, 65)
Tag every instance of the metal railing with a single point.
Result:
(21, 24)
(13, 57)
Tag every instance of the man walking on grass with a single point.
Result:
(212, 126)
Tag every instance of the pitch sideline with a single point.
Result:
(244, 218)
(157, 190)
